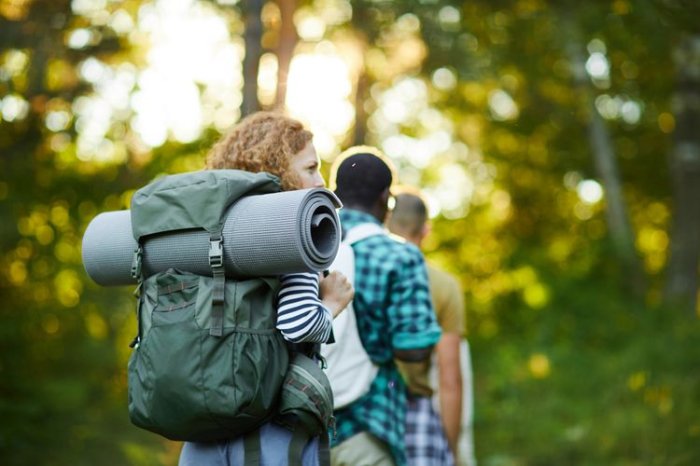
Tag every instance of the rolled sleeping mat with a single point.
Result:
(263, 235)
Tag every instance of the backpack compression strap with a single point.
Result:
(216, 262)
(136, 264)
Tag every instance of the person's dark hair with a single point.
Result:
(360, 176)
(409, 214)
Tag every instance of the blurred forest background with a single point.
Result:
(558, 142)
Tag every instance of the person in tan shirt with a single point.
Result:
(432, 438)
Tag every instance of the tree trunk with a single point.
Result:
(682, 276)
(252, 10)
(605, 163)
(361, 95)
(285, 48)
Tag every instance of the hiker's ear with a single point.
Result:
(425, 230)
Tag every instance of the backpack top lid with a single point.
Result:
(194, 200)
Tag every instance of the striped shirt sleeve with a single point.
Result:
(300, 315)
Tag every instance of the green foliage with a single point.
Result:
(597, 380)
(570, 368)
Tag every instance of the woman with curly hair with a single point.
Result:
(307, 304)
(273, 143)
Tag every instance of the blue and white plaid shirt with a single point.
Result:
(394, 312)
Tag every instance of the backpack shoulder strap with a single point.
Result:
(350, 369)
(363, 231)
(251, 448)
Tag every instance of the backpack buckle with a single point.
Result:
(216, 252)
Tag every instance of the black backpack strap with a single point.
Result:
(324, 450)
(296, 446)
(251, 448)
(216, 262)
(300, 437)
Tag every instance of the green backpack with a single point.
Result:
(208, 362)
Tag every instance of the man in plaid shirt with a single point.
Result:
(394, 314)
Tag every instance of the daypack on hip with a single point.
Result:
(208, 362)
(306, 407)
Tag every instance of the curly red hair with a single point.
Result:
(263, 141)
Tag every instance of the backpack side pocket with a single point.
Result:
(164, 382)
(306, 398)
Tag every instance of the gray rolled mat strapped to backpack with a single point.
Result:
(263, 235)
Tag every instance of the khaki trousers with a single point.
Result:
(363, 449)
